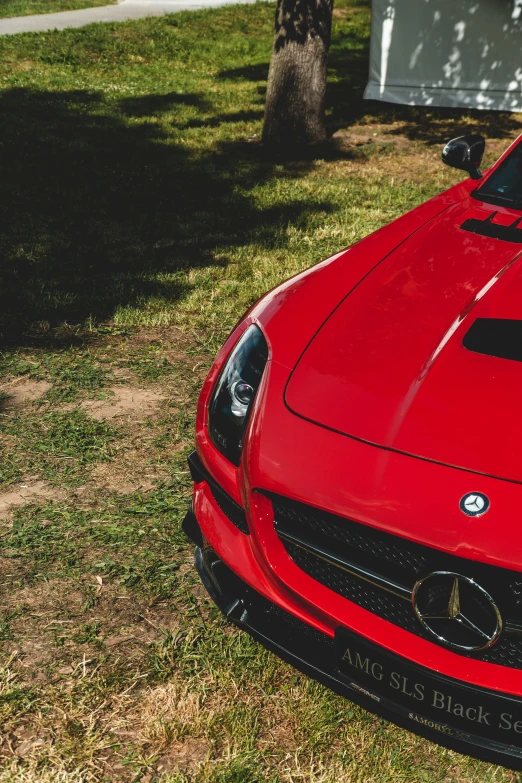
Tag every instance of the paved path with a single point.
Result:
(127, 9)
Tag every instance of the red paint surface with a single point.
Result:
(371, 408)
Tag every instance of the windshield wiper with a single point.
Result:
(494, 199)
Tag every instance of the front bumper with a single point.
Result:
(314, 653)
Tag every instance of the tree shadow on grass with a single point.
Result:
(104, 206)
(102, 212)
(212, 121)
(145, 105)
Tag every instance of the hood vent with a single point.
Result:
(500, 337)
(487, 228)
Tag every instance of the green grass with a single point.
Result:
(57, 445)
(141, 217)
(102, 130)
(72, 372)
(25, 7)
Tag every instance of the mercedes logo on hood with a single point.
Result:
(457, 611)
(474, 504)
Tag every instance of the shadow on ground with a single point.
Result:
(103, 208)
(101, 213)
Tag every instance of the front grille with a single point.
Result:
(376, 600)
(396, 559)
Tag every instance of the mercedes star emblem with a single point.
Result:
(457, 611)
(473, 504)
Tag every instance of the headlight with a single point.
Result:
(235, 391)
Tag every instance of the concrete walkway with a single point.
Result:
(127, 9)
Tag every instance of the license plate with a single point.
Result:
(425, 698)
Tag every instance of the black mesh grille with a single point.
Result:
(364, 539)
(376, 600)
(398, 558)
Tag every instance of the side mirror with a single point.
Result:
(465, 153)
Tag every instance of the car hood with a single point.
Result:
(389, 367)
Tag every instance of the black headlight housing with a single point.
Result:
(234, 393)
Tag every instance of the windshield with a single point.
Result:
(504, 186)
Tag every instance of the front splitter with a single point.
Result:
(315, 654)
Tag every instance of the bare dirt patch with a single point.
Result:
(127, 404)
(418, 147)
(168, 335)
(176, 346)
(20, 392)
(342, 13)
(184, 756)
(30, 491)
(360, 136)
(128, 474)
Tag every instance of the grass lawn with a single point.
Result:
(140, 219)
(26, 7)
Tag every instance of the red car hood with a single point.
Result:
(388, 366)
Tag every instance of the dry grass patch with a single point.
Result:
(390, 153)
(138, 464)
(86, 647)
(168, 713)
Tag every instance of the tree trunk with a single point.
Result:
(294, 112)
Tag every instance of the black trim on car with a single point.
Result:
(345, 564)
(486, 228)
(378, 571)
(495, 199)
(316, 655)
(228, 506)
(190, 526)
(499, 337)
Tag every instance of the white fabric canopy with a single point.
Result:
(465, 53)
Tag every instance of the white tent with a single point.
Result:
(465, 53)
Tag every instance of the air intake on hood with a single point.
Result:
(501, 337)
(487, 228)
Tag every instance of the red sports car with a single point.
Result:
(357, 478)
